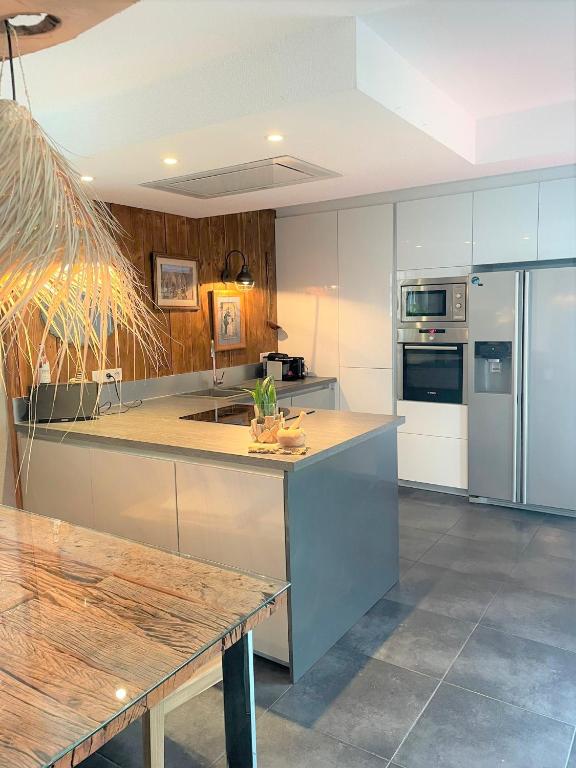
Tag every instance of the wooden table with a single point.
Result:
(96, 631)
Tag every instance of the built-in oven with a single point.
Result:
(430, 300)
(432, 365)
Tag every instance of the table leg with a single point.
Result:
(239, 714)
(153, 736)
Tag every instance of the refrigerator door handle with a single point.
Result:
(518, 323)
(525, 382)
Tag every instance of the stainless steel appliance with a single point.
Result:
(522, 371)
(432, 364)
(432, 300)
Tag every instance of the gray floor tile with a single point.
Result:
(518, 671)
(428, 517)
(496, 560)
(464, 730)
(565, 522)
(440, 590)
(270, 681)
(194, 736)
(421, 496)
(534, 615)
(491, 528)
(414, 542)
(403, 635)
(558, 542)
(365, 702)
(505, 513)
(97, 761)
(544, 573)
(405, 565)
(284, 744)
(572, 761)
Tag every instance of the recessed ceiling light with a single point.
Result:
(87, 178)
(275, 137)
(170, 161)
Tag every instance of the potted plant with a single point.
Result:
(266, 422)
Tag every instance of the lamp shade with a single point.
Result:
(244, 279)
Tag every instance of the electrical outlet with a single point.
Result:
(102, 377)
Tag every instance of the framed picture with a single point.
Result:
(228, 321)
(175, 282)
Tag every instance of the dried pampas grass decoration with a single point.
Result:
(59, 256)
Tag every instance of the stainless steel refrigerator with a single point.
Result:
(522, 387)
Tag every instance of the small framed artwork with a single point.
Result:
(228, 321)
(175, 282)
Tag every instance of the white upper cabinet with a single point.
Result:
(365, 262)
(435, 232)
(506, 224)
(307, 276)
(557, 219)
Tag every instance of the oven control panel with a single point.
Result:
(459, 302)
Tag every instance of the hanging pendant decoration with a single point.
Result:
(60, 258)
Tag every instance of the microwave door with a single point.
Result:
(425, 303)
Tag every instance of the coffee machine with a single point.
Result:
(283, 367)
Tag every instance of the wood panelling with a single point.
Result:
(185, 333)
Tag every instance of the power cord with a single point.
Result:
(106, 408)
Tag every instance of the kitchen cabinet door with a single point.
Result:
(557, 219)
(434, 232)
(433, 460)
(319, 398)
(366, 390)
(135, 497)
(307, 281)
(506, 224)
(57, 481)
(236, 517)
(366, 264)
(437, 419)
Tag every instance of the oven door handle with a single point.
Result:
(431, 346)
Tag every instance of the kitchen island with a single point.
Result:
(326, 521)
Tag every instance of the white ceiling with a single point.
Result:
(414, 92)
(491, 56)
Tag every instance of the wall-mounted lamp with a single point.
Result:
(243, 280)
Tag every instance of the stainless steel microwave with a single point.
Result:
(429, 300)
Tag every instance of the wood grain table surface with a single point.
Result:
(95, 630)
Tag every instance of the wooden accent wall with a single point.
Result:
(187, 337)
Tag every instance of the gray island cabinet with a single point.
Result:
(326, 522)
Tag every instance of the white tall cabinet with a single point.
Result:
(365, 266)
(335, 281)
(307, 279)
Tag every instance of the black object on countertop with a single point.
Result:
(69, 401)
(237, 414)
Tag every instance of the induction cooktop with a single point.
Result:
(238, 414)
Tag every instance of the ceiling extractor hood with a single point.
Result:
(248, 177)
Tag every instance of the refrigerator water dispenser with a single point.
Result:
(493, 367)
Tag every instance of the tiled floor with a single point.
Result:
(469, 662)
